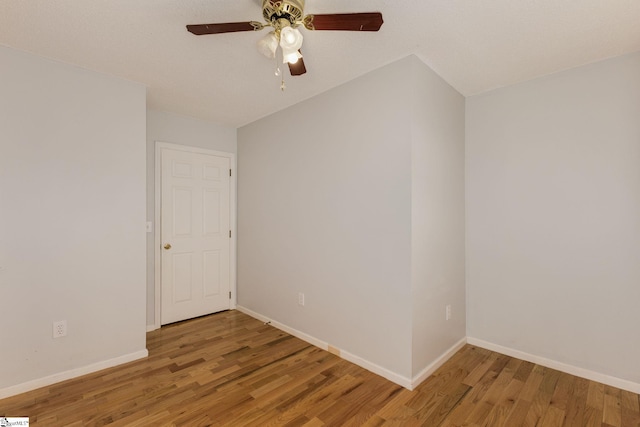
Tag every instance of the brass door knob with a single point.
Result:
(167, 246)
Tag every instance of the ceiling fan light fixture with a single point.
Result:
(284, 17)
(268, 45)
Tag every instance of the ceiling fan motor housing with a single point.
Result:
(291, 10)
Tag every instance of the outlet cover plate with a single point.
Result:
(60, 329)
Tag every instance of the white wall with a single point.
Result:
(168, 127)
(356, 199)
(437, 216)
(324, 208)
(72, 209)
(553, 217)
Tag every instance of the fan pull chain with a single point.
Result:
(277, 73)
(283, 86)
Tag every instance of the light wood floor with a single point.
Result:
(230, 369)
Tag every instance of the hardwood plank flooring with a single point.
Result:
(229, 369)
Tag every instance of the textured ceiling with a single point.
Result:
(475, 45)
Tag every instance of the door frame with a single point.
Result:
(157, 229)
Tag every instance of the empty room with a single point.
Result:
(307, 213)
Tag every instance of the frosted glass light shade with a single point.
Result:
(268, 45)
(290, 39)
(291, 56)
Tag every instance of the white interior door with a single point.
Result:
(195, 234)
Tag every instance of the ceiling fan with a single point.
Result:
(285, 16)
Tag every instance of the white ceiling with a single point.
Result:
(475, 45)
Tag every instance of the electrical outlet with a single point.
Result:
(448, 312)
(301, 299)
(60, 329)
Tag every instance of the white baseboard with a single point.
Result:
(559, 366)
(152, 327)
(363, 363)
(291, 331)
(376, 369)
(73, 373)
(429, 370)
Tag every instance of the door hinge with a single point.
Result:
(229, 233)
(229, 172)
(229, 294)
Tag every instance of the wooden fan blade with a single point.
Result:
(370, 21)
(298, 68)
(228, 27)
